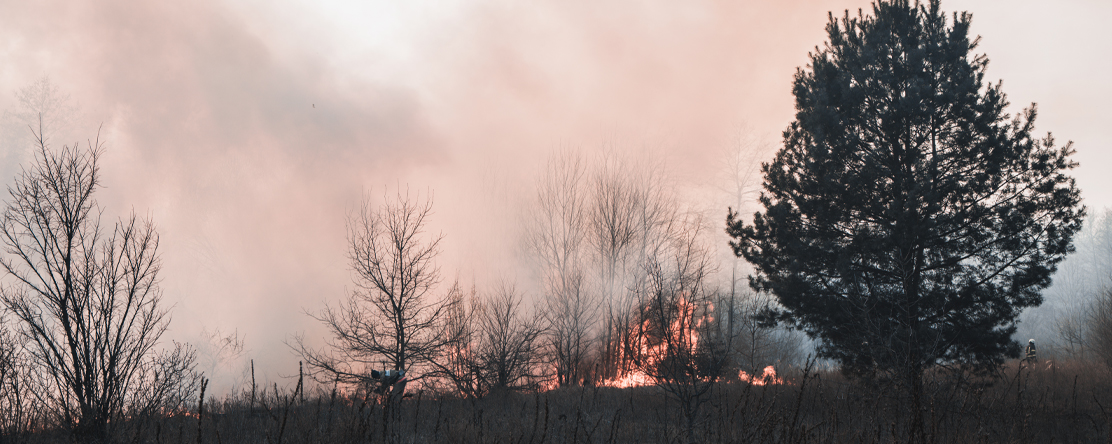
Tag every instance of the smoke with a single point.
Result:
(245, 149)
(247, 130)
(1080, 279)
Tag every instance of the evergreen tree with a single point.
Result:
(908, 219)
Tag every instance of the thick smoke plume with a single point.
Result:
(247, 130)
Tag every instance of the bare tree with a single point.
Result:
(491, 346)
(1100, 327)
(392, 316)
(628, 208)
(682, 346)
(166, 383)
(509, 351)
(622, 199)
(1072, 332)
(457, 363)
(218, 354)
(570, 314)
(615, 202)
(19, 411)
(757, 345)
(87, 302)
(1071, 301)
(556, 236)
(42, 104)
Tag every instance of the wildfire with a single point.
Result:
(631, 379)
(768, 377)
(683, 330)
(653, 344)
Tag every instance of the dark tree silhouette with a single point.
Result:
(492, 345)
(392, 317)
(682, 340)
(457, 364)
(509, 345)
(87, 302)
(908, 219)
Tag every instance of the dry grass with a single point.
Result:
(1070, 402)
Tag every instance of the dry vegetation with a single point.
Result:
(633, 343)
(633, 337)
(1068, 402)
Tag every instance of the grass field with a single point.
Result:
(1068, 402)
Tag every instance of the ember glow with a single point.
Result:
(768, 377)
(631, 379)
(652, 350)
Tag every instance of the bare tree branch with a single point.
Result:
(87, 304)
(392, 317)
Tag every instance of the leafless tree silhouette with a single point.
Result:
(87, 302)
(392, 317)
(493, 346)
(1100, 327)
(509, 346)
(19, 411)
(629, 206)
(1072, 331)
(457, 364)
(756, 345)
(683, 346)
(556, 236)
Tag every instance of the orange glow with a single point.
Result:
(769, 377)
(653, 350)
(631, 379)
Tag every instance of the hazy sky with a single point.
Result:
(247, 129)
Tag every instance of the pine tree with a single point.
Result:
(908, 219)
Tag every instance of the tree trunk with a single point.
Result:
(917, 432)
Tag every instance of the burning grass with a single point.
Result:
(767, 377)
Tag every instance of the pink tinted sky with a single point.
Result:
(247, 129)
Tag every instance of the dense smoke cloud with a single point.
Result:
(247, 130)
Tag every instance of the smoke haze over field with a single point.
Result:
(247, 129)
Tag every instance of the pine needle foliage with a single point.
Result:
(908, 218)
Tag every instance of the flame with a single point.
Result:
(651, 348)
(683, 327)
(631, 379)
(769, 377)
